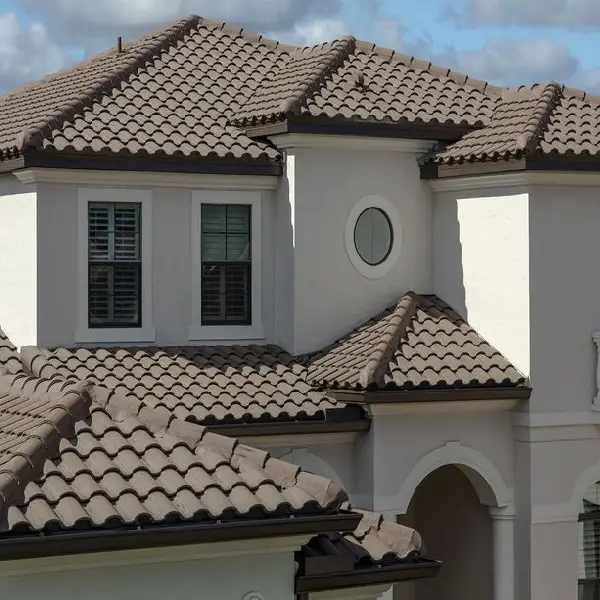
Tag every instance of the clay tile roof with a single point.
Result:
(544, 119)
(375, 542)
(73, 457)
(168, 94)
(207, 385)
(9, 357)
(420, 343)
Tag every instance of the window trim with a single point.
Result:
(255, 331)
(393, 216)
(84, 333)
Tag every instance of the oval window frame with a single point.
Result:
(393, 217)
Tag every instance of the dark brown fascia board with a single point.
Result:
(439, 395)
(290, 428)
(123, 162)
(102, 540)
(534, 162)
(465, 169)
(361, 577)
(339, 126)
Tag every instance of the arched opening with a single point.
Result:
(589, 544)
(457, 528)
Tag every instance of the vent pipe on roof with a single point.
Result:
(119, 44)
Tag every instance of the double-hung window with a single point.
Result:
(226, 260)
(226, 264)
(589, 545)
(115, 266)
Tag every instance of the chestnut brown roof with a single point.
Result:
(9, 357)
(541, 119)
(204, 384)
(420, 343)
(177, 92)
(74, 456)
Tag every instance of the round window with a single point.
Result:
(373, 236)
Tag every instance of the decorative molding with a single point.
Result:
(148, 179)
(515, 179)
(348, 142)
(173, 554)
(253, 596)
(366, 270)
(254, 331)
(502, 513)
(554, 513)
(483, 475)
(371, 592)
(146, 333)
(451, 407)
(556, 419)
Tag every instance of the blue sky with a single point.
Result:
(504, 41)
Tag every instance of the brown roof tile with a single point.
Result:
(9, 357)
(420, 343)
(210, 384)
(68, 462)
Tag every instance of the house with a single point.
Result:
(340, 258)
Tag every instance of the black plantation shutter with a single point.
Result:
(589, 546)
(114, 265)
(226, 264)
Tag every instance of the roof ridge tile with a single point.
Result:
(34, 135)
(540, 118)
(388, 341)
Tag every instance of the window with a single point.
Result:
(589, 545)
(226, 264)
(114, 293)
(373, 236)
(115, 273)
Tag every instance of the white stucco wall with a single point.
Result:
(228, 578)
(481, 264)
(171, 264)
(18, 261)
(330, 296)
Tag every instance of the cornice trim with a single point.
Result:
(516, 179)
(196, 181)
(349, 142)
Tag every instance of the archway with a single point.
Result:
(460, 504)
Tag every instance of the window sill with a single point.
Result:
(200, 333)
(124, 335)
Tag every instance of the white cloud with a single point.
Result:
(26, 53)
(582, 14)
(509, 61)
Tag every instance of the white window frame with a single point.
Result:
(383, 268)
(254, 331)
(85, 333)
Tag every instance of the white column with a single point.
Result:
(503, 522)
(596, 338)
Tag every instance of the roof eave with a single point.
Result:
(355, 127)
(106, 540)
(370, 397)
(126, 162)
(376, 575)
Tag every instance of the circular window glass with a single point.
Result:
(373, 236)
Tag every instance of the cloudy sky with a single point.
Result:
(504, 41)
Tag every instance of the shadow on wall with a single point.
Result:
(448, 275)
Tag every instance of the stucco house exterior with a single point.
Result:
(357, 279)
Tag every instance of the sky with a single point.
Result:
(507, 42)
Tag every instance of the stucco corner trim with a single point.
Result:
(484, 476)
(366, 270)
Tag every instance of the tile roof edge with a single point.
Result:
(401, 317)
(70, 403)
(331, 494)
(539, 120)
(35, 135)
